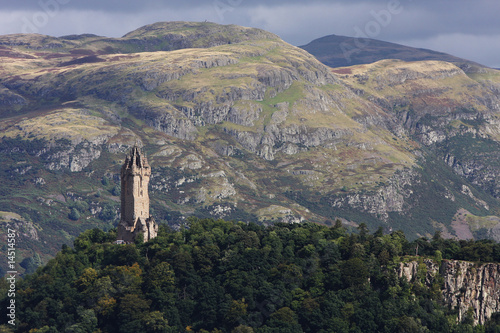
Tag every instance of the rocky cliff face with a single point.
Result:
(393, 197)
(467, 286)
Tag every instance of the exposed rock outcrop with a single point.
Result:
(471, 286)
(467, 286)
(390, 198)
(74, 158)
(25, 228)
(478, 171)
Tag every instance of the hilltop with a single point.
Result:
(161, 36)
(341, 51)
(238, 124)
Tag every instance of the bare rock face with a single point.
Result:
(73, 158)
(390, 198)
(25, 228)
(413, 270)
(471, 286)
(467, 285)
(484, 175)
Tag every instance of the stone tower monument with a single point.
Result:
(135, 218)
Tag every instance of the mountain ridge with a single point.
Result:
(342, 51)
(161, 36)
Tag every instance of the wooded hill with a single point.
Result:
(219, 276)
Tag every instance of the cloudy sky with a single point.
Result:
(464, 28)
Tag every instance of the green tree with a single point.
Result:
(285, 319)
(6, 329)
(105, 181)
(29, 264)
(155, 323)
(242, 329)
(116, 191)
(354, 272)
(87, 322)
(229, 276)
(236, 311)
(438, 256)
(133, 311)
(74, 214)
(108, 212)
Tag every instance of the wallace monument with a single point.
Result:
(135, 219)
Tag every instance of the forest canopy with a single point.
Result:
(220, 276)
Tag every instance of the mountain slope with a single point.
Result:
(243, 127)
(341, 51)
(454, 115)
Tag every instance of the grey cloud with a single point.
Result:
(135, 5)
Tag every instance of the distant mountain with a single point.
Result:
(341, 51)
(237, 124)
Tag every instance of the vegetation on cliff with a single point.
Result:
(219, 276)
